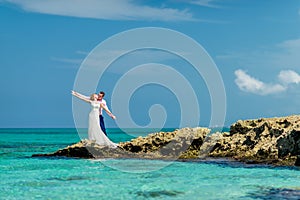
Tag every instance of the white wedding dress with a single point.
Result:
(94, 131)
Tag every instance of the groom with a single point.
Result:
(101, 100)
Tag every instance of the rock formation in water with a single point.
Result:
(181, 143)
(267, 140)
(273, 141)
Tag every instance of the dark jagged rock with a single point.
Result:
(271, 141)
(182, 143)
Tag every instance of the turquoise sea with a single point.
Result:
(24, 177)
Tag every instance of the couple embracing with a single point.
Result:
(96, 128)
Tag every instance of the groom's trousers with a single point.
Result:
(102, 125)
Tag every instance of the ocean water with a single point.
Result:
(26, 177)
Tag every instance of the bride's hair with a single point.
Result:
(93, 97)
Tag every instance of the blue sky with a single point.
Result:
(255, 45)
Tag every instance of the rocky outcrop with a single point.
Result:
(182, 143)
(273, 141)
(270, 140)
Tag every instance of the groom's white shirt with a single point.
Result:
(104, 103)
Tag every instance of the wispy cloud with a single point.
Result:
(82, 52)
(290, 44)
(281, 55)
(109, 9)
(205, 3)
(68, 60)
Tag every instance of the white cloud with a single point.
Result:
(288, 77)
(249, 84)
(282, 55)
(109, 9)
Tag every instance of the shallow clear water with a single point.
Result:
(24, 177)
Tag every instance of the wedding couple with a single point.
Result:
(96, 128)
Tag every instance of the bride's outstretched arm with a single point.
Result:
(80, 96)
(86, 97)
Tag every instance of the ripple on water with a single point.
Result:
(268, 193)
(71, 178)
(158, 193)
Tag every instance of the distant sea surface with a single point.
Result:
(25, 177)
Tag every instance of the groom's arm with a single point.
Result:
(104, 106)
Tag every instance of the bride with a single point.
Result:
(94, 131)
